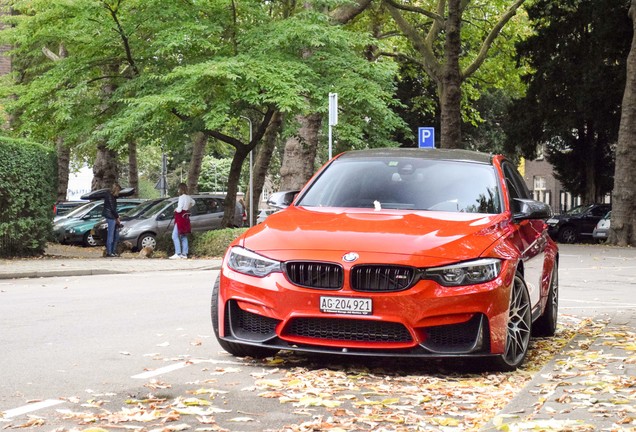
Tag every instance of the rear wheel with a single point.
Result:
(546, 324)
(568, 234)
(519, 328)
(238, 350)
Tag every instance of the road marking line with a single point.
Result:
(181, 365)
(160, 371)
(32, 407)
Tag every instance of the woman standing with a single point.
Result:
(112, 218)
(182, 223)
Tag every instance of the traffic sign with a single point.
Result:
(426, 137)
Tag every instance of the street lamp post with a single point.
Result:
(251, 187)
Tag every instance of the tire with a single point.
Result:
(568, 235)
(546, 324)
(89, 240)
(519, 328)
(238, 350)
(147, 239)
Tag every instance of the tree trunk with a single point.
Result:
(262, 160)
(232, 185)
(63, 161)
(450, 86)
(105, 168)
(133, 170)
(199, 141)
(300, 153)
(623, 223)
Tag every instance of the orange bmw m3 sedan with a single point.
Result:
(426, 253)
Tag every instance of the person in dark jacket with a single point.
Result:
(112, 219)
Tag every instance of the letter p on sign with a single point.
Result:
(426, 137)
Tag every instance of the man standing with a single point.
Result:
(112, 218)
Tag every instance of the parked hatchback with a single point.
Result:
(158, 220)
(397, 253)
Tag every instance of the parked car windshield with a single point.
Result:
(153, 210)
(141, 209)
(79, 211)
(406, 183)
(577, 210)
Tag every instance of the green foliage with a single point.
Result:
(27, 194)
(214, 174)
(573, 102)
(212, 243)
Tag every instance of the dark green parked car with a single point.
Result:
(79, 231)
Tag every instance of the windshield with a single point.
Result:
(155, 208)
(140, 209)
(406, 183)
(80, 211)
(578, 210)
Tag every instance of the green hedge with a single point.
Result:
(28, 184)
(211, 244)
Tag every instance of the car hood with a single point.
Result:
(444, 235)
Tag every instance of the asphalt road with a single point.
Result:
(100, 344)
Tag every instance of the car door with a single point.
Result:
(164, 221)
(531, 237)
(207, 214)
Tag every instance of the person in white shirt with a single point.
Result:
(182, 223)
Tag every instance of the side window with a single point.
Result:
(96, 212)
(167, 212)
(599, 211)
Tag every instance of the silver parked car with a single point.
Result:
(601, 230)
(158, 220)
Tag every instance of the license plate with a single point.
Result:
(346, 305)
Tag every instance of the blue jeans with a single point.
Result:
(112, 238)
(180, 242)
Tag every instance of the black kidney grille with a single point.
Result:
(348, 330)
(381, 278)
(315, 274)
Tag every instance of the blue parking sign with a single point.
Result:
(426, 137)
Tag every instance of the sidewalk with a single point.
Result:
(589, 386)
(64, 262)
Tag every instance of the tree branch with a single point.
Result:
(429, 63)
(124, 38)
(346, 13)
(485, 47)
(432, 15)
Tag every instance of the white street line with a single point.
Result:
(160, 371)
(181, 365)
(32, 407)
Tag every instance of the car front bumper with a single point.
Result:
(426, 320)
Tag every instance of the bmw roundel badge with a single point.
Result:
(350, 257)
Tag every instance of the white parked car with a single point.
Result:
(601, 230)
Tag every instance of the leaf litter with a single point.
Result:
(335, 394)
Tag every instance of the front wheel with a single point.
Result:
(519, 328)
(147, 240)
(89, 240)
(238, 350)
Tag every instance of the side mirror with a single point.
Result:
(282, 199)
(530, 209)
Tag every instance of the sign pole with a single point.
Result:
(333, 117)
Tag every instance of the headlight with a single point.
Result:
(467, 273)
(248, 262)
(70, 230)
(552, 221)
